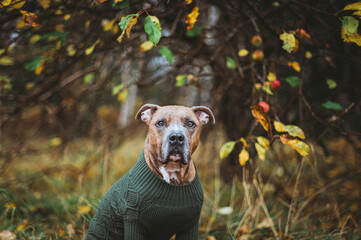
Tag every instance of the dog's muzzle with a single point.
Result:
(176, 148)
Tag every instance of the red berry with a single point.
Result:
(264, 105)
(275, 84)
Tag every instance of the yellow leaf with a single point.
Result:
(6, 61)
(261, 151)
(40, 68)
(119, 39)
(55, 141)
(18, 4)
(263, 142)
(353, 6)
(58, 12)
(295, 65)
(107, 25)
(45, 4)
(10, 205)
(289, 41)
(117, 1)
(115, 29)
(34, 38)
(357, 13)
(226, 149)
(130, 25)
(71, 50)
(280, 127)
(29, 86)
(294, 131)
(244, 142)
(87, 24)
(355, 38)
(243, 157)
(82, 210)
(271, 76)
(301, 147)
(243, 52)
(122, 96)
(20, 227)
(146, 46)
(308, 55)
(20, 24)
(189, 1)
(90, 49)
(67, 17)
(5, 3)
(261, 116)
(192, 18)
(30, 19)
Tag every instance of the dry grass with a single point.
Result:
(53, 191)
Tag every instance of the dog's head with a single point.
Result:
(174, 130)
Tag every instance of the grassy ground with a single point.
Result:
(52, 192)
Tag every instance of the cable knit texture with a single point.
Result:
(140, 205)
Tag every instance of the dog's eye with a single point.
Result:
(160, 123)
(190, 124)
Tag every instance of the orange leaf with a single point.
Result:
(260, 115)
(30, 19)
(295, 65)
(301, 147)
(132, 22)
(192, 18)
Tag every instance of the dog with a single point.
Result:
(162, 194)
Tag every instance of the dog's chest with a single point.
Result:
(173, 217)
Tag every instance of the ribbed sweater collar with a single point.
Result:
(150, 184)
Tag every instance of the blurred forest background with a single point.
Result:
(71, 80)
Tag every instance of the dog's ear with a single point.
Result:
(204, 114)
(146, 112)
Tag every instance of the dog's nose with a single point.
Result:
(176, 139)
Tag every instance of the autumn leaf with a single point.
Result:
(90, 49)
(126, 24)
(349, 30)
(146, 46)
(180, 80)
(5, 3)
(295, 65)
(153, 28)
(30, 19)
(294, 131)
(39, 69)
(353, 6)
(82, 210)
(331, 83)
(271, 76)
(6, 61)
(243, 157)
(56, 141)
(301, 147)
(122, 95)
(17, 4)
(261, 116)
(230, 63)
(189, 1)
(108, 25)
(280, 127)
(226, 149)
(244, 142)
(263, 142)
(33, 63)
(289, 41)
(243, 52)
(261, 151)
(45, 4)
(192, 18)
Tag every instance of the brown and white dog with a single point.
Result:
(172, 138)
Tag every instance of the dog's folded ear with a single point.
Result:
(204, 114)
(146, 112)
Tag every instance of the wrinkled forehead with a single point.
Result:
(174, 113)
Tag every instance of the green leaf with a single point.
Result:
(180, 80)
(332, 105)
(122, 5)
(194, 32)
(226, 149)
(349, 25)
(293, 81)
(88, 78)
(33, 63)
(125, 21)
(116, 89)
(167, 53)
(331, 83)
(231, 64)
(153, 29)
(61, 36)
(267, 89)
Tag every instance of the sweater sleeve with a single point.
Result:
(133, 230)
(189, 234)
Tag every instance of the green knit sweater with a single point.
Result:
(140, 205)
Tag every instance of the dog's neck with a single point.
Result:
(172, 172)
